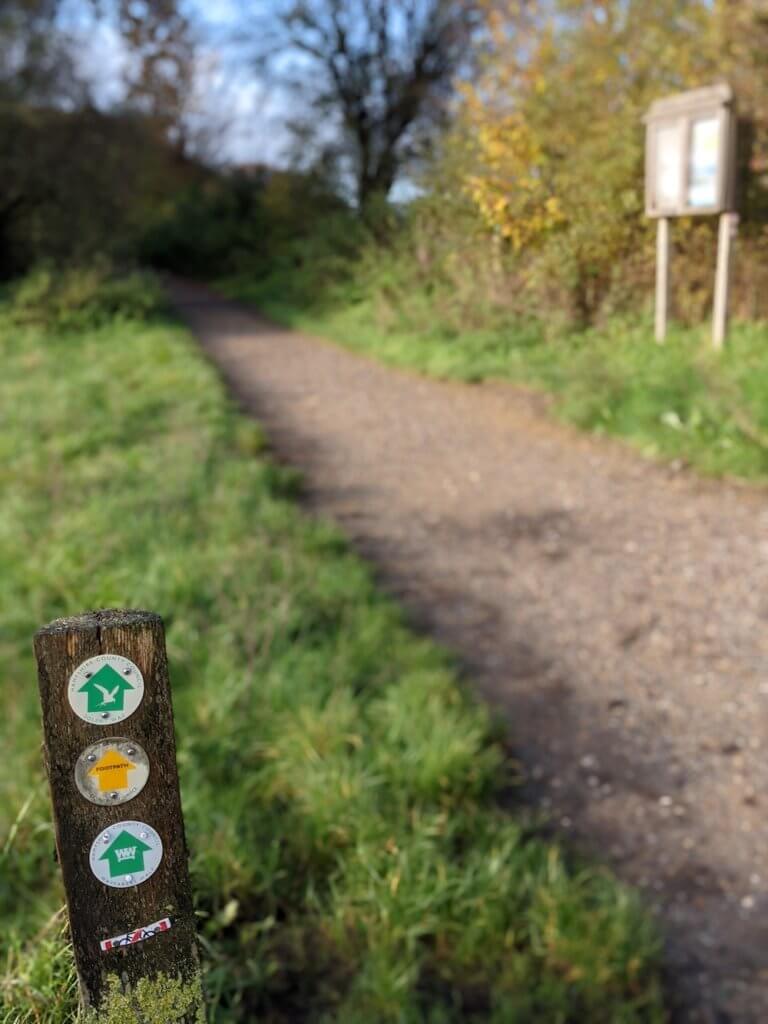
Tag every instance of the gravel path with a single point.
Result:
(614, 610)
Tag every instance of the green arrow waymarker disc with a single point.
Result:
(126, 854)
(105, 689)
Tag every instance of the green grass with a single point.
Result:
(349, 859)
(675, 401)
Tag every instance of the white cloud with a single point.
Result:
(102, 62)
(244, 115)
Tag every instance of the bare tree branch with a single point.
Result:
(384, 69)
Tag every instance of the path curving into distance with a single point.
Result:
(614, 610)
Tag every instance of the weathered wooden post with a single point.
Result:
(111, 762)
(725, 236)
(663, 250)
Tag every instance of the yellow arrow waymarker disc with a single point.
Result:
(112, 771)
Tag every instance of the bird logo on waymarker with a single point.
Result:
(107, 696)
(106, 690)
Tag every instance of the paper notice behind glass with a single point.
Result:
(669, 165)
(705, 150)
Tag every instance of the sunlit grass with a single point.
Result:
(348, 858)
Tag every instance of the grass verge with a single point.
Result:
(349, 860)
(675, 401)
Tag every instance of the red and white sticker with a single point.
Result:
(139, 935)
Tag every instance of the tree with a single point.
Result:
(36, 71)
(36, 63)
(379, 71)
(161, 66)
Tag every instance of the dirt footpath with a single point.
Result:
(614, 610)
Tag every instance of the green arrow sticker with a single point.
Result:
(105, 689)
(126, 854)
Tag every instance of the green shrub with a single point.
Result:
(83, 298)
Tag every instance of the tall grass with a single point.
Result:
(349, 860)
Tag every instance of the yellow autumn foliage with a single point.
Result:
(510, 187)
(549, 133)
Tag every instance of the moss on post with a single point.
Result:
(160, 1000)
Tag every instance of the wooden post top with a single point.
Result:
(104, 618)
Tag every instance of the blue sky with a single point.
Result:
(247, 114)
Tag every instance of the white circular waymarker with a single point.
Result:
(105, 689)
(112, 771)
(126, 854)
